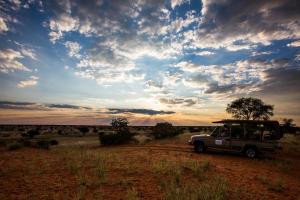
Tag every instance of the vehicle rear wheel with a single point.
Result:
(251, 152)
(199, 147)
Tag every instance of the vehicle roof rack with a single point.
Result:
(246, 121)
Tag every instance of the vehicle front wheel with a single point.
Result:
(251, 152)
(199, 147)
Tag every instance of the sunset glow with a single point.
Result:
(182, 61)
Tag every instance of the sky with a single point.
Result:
(181, 61)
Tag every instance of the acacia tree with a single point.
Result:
(250, 109)
(120, 125)
(288, 122)
(288, 125)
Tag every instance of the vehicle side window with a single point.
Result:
(223, 132)
(237, 132)
(269, 132)
(252, 132)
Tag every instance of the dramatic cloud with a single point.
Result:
(38, 106)
(240, 24)
(48, 107)
(68, 106)
(241, 77)
(159, 53)
(138, 111)
(33, 80)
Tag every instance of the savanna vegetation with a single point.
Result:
(126, 162)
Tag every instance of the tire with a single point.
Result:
(251, 152)
(199, 147)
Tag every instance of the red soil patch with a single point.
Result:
(42, 174)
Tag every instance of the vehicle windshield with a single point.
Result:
(213, 132)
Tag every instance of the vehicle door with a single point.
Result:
(237, 137)
(221, 140)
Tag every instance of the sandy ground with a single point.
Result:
(44, 174)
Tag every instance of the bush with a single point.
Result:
(14, 145)
(115, 138)
(83, 130)
(43, 144)
(122, 134)
(31, 133)
(193, 130)
(53, 142)
(164, 130)
(25, 142)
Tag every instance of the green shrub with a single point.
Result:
(26, 142)
(43, 144)
(32, 133)
(53, 142)
(115, 138)
(83, 130)
(164, 130)
(122, 135)
(14, 145)
(3, 143)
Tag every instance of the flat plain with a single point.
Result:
(80, 168)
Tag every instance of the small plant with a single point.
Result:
(14, 145)
(276, 186)
(73, 167)
(82, 180)
(161, 166)
(100, 169)
(206, 166)
(197, 168)
(81, 193)
(132, 194)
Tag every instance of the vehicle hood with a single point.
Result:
(200, 135)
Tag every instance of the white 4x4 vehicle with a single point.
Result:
(250, 137)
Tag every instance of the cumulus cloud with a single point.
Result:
(74, 48)
(204, 53)
(153, 86)
(3, 26)
(172, 78)
(28, 53)
(175, 3)
(178, 101)
(9, 61)
(63, 23)
(33, 80)
(294, 44)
